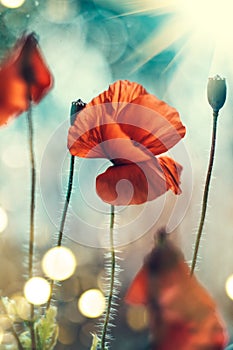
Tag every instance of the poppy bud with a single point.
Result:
(76, 107)
(216, 92)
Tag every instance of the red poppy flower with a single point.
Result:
(129, 126)
(182, 314)
(24, 77)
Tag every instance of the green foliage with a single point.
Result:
(10, 308)
(96, 343)
(25, 340)
(46, 330)
(45, 327)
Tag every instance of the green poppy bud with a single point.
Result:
(216, 92)
(76, 107)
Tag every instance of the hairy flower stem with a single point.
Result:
(67, 201)
(75, 108)
(64, 215)
(112, 281)
(206, 192)
(32, 213)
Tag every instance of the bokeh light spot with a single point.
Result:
(67, 334)
(3, 219)
(12, 3)
(14, 156)
(60, 11)
(23, 308)
(92, 303)
(9, 341)
(37, 290)
(229, 287)
(1, 334)
(137, 317)
(5, 322)
(59, 263)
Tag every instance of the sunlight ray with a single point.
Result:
(138, 7)
(178, 56)
(158, 41)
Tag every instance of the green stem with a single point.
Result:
(112, 281)
(67, 201)
(64, 215)
(206, 192)
(32, 213)
(76, 107)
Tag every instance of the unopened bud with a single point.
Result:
(216, 92)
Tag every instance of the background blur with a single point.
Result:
(171, 47)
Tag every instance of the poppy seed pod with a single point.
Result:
(216, 92)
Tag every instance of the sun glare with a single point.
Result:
(208, 17)
(199, 22)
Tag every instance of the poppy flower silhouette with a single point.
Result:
(182, 314)
(129, 127)
(24, 77)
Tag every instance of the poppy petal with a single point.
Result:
(120, 91)
(24, 75)
(133, 114)
(137, 183)
(13, 98)
(35, 68)
(90, 126)
(138, 291)
(172, 171)
(128, 126)
(152, 123)
(179, 307)
(94, 134)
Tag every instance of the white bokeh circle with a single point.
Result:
(37, 290)
(59, 263)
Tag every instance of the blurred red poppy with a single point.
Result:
(24, 77)
(129, 126)
(182, 314)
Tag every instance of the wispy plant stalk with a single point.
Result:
(112, 281)
(67, 201)
(64, 215)
(206, 192)
(75, 108)
(32, 212)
